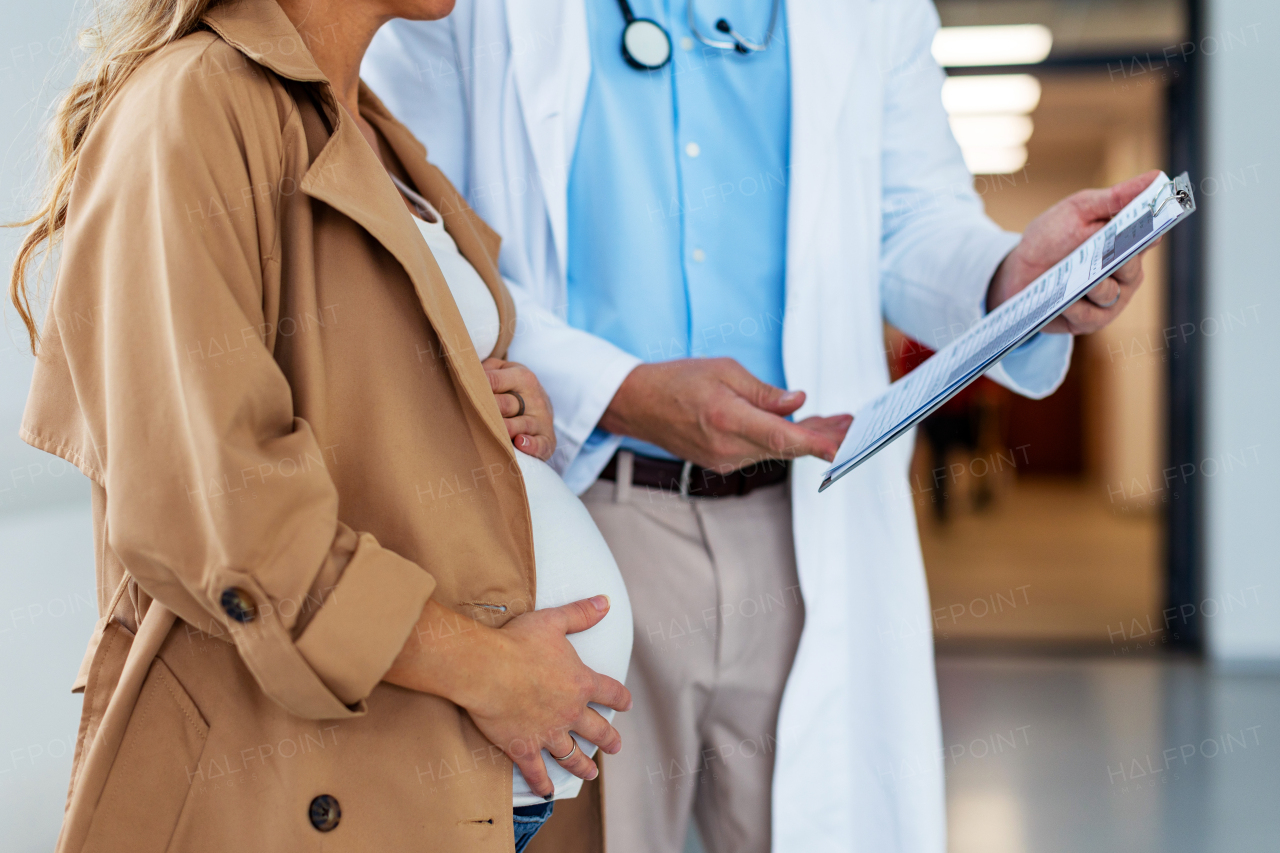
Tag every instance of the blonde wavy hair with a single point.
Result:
(123, 35)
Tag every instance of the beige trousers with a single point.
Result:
(718, 615)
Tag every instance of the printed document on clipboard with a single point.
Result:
(913, 397)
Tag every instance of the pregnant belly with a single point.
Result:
(574, 562)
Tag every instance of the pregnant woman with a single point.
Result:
(317, 548)
(571, 555)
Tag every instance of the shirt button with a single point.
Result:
(324, 813)
(686, 43)
(238, 604)
(693, 149)
(699, 255)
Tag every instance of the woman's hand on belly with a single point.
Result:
(544, 693)
(523, 684)
(532, 430)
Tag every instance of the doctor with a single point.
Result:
(730, 208)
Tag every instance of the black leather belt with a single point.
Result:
(689, 479)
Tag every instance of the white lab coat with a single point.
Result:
(883, 223)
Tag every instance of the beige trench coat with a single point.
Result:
(253, 356)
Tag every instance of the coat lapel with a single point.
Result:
(347, 176)
(825, 42)
(477, 242)
(551, 62)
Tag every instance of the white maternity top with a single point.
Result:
(573, 562)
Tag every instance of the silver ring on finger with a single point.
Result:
(1089, 296)
(519, 400)
(569, 754)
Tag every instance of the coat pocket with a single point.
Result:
(152, 773)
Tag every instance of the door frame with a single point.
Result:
(1184, 379)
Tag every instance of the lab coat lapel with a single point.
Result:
(551, 58)
(825, 41)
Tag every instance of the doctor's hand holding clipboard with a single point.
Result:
(1056, 233)
(717, 415)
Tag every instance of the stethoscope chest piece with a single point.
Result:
(645, 44)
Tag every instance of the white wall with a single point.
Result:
(1242, 466)
(47, 600)
(37, 49)
(47, 612)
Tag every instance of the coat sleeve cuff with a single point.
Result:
(1036, 368)
(595, 454)
(348, 645)
(576, 438)
(353, 640)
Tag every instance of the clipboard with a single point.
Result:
(918, 394)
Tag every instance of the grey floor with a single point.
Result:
(1050, 756)
(1043, 755)
(1096, 755)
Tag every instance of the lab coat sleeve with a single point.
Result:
(938, 249)
(581, 373)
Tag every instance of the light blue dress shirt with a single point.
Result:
(678, 192)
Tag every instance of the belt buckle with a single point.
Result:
(686, 474)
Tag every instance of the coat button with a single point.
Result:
(325, 812)
(238, 604)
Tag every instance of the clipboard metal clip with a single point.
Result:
(1181, 187)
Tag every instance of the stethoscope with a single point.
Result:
(646, 45)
